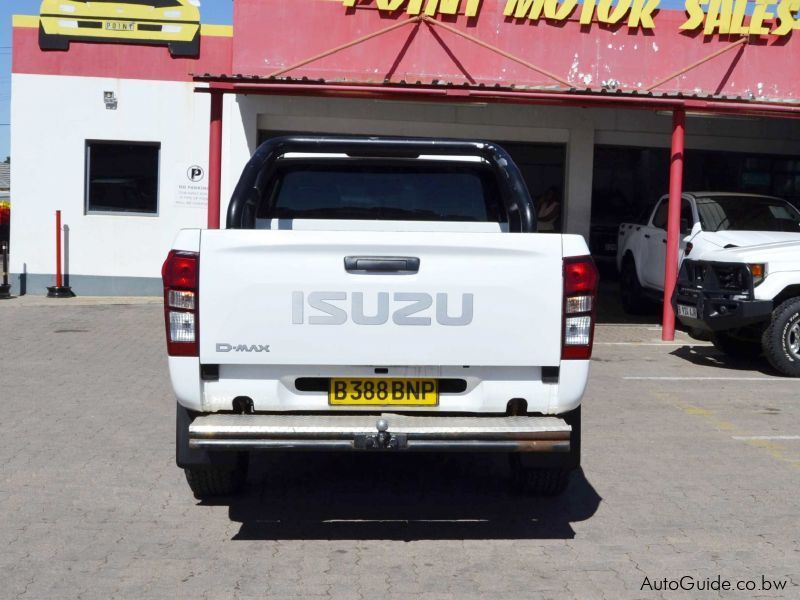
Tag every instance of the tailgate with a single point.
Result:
(285, 297)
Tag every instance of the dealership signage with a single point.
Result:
(725, 17)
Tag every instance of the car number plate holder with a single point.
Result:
(383, 391)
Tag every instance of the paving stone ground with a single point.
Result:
(681, 477)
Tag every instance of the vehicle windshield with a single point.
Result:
(419, 192)
(747, 213)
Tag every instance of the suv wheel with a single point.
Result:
(538, 475)
(781, 340)
(538, 481)
(631, 292)
(208, 481)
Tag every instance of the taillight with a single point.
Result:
(180, 274)
(580, 298)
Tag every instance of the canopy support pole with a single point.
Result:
(673, 221)
(215, 160)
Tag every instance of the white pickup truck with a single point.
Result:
(749, 299)
(379, 295)
(710, 221)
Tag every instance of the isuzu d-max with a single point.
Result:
(379, 295)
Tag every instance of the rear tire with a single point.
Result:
(538, 474)
(631, 292)
(734, 346)
(538, 481)
(781, 339)
(209, 481)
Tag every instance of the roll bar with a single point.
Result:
(514, 192)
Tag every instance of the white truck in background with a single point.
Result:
(710, 221)
(379, 295)
(748, 299)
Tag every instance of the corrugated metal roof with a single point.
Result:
(437, 83)
(5, 176)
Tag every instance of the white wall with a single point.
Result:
(52, 118)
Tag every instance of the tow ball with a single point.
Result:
(382, 440)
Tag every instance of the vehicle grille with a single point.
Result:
(721, 277)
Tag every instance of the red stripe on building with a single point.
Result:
(124, 61)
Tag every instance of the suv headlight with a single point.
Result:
(758, 271)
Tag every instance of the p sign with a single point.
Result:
(195, 173)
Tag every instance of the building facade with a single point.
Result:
(114, 131)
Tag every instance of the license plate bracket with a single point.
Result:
(382, 391)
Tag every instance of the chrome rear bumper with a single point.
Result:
(380, 432)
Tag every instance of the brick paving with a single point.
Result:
(678, 479)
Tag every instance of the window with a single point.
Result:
(687, 218)
(662, 215)
(434, 192)
(747, 213)
(122, 177)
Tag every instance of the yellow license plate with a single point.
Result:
(383, 392)
(119, 26)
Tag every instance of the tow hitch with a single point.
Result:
(382, 440)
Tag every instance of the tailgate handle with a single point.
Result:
(381, 264)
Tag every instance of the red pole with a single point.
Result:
(673, 221)
(214, 160)
(58, 249)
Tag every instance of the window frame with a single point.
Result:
(87, 210)
(685, 202)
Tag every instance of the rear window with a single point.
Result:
(434, 192)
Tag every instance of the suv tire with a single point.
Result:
(210, 480)
(781, 339)
(538, 481)
(547, 475)
(631, 292)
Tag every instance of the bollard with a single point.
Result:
(59, 290)
(5, 287)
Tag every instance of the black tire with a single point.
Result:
(52, 42)
(538, 481)
(547, 474)
(630, 290)
(734, 346)
(209, 481)
(781, 339)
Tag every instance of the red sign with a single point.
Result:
(270, 35)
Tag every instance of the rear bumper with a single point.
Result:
(719, 314)
(386, 432)
(273, 388)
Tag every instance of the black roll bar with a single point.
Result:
(514, 192)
